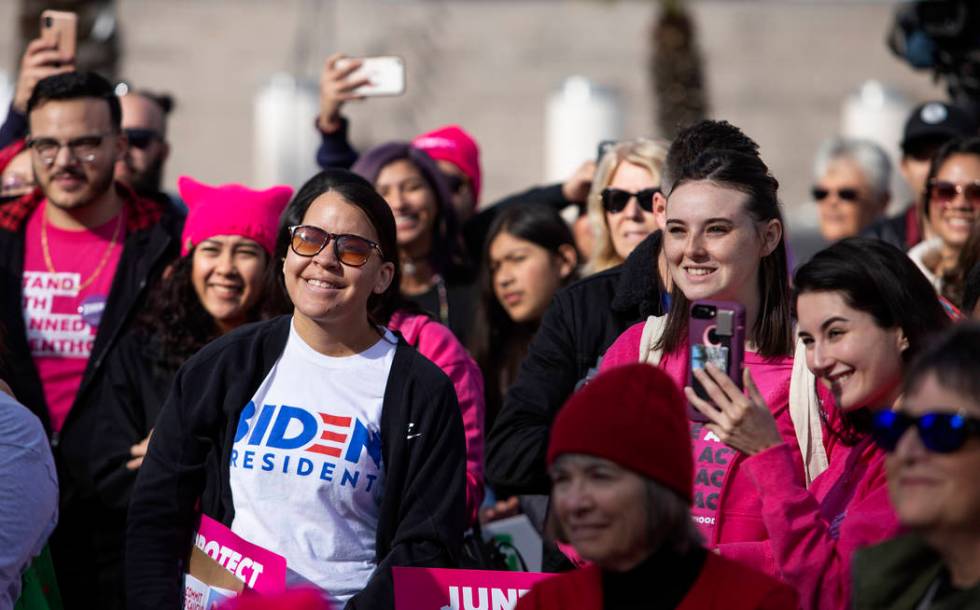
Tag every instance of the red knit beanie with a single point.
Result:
(632, 415)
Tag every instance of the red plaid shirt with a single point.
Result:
(140, 213)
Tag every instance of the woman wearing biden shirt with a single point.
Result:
(318, 436)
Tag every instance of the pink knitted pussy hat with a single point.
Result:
(231, 209)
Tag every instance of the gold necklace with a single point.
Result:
(102, 263)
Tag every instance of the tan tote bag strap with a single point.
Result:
(653, 330)
(804, 410)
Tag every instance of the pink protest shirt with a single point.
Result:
(63, 303)
(726, 506)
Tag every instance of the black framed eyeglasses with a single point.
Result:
(615, 200)
(83, 148)
(941, 432)
(351, 250)
(141, 138)
(847, 194)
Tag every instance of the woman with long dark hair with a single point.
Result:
(319, 436)
(224, 278)
(723, 240)
(434, 269)
(951, 204)
(530, 253)
(864, 312)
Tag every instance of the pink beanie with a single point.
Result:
(451, 143)
(231, 209)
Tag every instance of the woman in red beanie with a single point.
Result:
(619, 459)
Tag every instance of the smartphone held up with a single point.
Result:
(385, 75)
(60, 30)
(716, 335)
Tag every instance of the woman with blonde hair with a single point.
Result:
(621, 203)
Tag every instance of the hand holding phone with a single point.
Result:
(717, 335)
(60, 28)
(381, 76)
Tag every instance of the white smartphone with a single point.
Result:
(386, 73)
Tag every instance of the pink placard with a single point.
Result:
(260, 569)
(437, 589)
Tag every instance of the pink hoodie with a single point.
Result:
(726, 505)
(814, 532)
(808, 535)
(438, 344)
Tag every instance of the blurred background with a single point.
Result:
(520, 75)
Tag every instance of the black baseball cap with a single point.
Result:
(935, 122)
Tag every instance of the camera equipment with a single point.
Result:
(944, 36)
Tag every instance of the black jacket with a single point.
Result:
(581, 323)
(423, 512)
(136, 386)
(152, 240)
(894, 229)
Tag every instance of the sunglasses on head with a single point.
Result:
(940, 432)
(615, 200)
(847, 194)
(141, 138)
(945, 192)
(351, 250)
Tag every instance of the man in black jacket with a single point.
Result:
(67, 292)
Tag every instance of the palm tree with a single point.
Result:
(676, 69)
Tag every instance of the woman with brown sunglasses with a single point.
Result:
(319, 436)
(952, 203)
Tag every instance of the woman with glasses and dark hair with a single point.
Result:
(852, 186)
(434, 270)
(318, 436)
(952, 202)
(437, 343)
(621, 202)
(863, 313)
(933, 446)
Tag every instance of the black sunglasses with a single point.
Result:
(616, 200)
(940, 432)
(141, 138)
(847, 194)
(351, 250)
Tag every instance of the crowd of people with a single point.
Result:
(360, 374)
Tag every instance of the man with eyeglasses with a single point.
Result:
(77, 256)
(928, 127)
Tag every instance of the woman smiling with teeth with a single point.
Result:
(864, 311)
(723, 240)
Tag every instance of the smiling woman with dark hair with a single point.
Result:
(344, 386)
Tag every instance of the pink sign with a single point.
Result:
(436, 589)
(260, 569)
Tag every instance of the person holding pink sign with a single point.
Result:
(321, 436)
(622, 476)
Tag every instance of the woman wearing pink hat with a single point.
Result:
(221, 281)
(620, 463)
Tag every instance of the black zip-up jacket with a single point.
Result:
(423, 510)
(152, 241)
(581, 323)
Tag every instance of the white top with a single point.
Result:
(306, 474)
